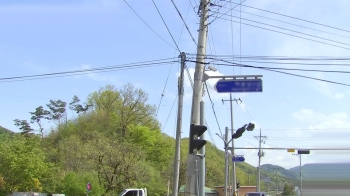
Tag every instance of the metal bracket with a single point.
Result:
(234, 77)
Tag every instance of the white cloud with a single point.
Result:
(322, 121)
(307, 115)
(338, 96)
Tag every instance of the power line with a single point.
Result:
(289, 34)
(227, 11)
(88, 71)
(148, 25)
(279, 68)
(188, 30)
(166, 81)
(281, 21)
(293, 17)
(297, 75)
(212, 106)
(166, 26)
(310, 64)
(287, 30)
(170, 112)
(303, 58)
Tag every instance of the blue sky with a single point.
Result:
(39, 37)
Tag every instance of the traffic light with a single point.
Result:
(250, 127)
(239, 132)
(195, 142)
(237, 185)
(303, 151)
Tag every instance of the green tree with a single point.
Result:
(24, 126)
(22, 164)
(128, 104)
(57, 110)
(38, 116)
(77, 107)
(288, 189)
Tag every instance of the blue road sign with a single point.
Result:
(238, 159)
(239, 85)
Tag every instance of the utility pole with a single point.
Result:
(300, 173)
(202, 152)
(260, 154)
(301, 178)
(197, 92)
(226, 157)
(226, 162)
(178, 127)
(234, 180)
(276, 182)
(233, 151)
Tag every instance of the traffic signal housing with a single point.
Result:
(239, 132)
(196, 143)
(237, 185)
(303, 151)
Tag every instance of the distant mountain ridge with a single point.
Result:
(292, 174)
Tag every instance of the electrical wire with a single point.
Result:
(297, 58)
(292, 35)
(188, 30)
(212, 106)
(278, 68)
(166, 81)
(293, 17)
(166, 26)
(286, 29)
(225, 12)
(297, 75)
(89, 71)
(281, 21)
(148, 25)
(170, 112)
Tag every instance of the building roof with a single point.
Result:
(207, 190)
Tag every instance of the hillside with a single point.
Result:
(292, 174)
(113, 142)
(5, 132)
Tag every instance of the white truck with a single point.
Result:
(134, 192)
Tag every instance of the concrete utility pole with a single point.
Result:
(197, 92)
(301, 178)
(233, 151)
(226, 162)
(178, 127)
(276, 182)
(202, 152)
(300, 173)
(260, 154)
(226, 142)
(234, 179)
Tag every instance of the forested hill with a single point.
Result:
(5, 131)
(113, 141)
(280, 170)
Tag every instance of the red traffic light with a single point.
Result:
(88, 186)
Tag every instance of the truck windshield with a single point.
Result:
(122, 193)
(128, 193)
